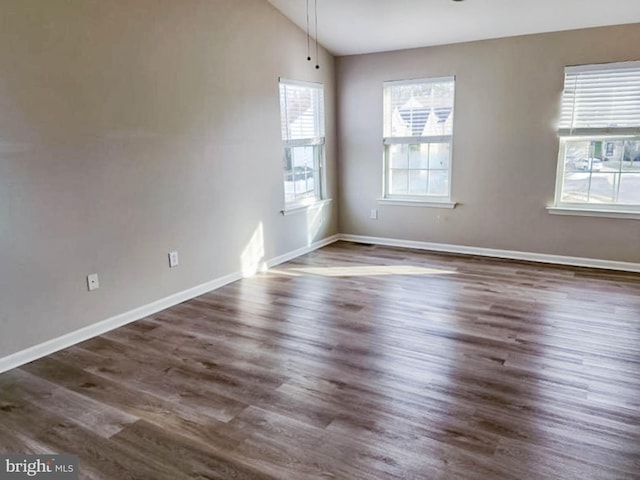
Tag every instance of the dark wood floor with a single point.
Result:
(354, 362)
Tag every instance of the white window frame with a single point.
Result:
(567, 132)
(428, 200)
(318, 142)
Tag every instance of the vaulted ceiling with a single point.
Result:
(349, 27)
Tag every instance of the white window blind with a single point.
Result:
(601, 99)
(421, 108)
(302, 108)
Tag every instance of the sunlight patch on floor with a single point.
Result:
(363, 271)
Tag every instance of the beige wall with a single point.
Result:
(504, 150)
(129, 128)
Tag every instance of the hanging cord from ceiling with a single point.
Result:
(315, 36)
(308, 40)
(315, 3)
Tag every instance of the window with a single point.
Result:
(599, 159)
(418, 131)
(302, 121)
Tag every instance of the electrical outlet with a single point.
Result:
(173, 259)
(93, 283)
(374, 214)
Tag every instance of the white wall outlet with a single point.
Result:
(173, 259)
(374, 214)
(92, 281)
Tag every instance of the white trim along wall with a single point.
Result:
(38, 351)
(491, 252)
(51, 346)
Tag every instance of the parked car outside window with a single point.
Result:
(588, 164)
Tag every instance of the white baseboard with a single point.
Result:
(51, 346)
(38, 351)
(302, 251)
(490, 252)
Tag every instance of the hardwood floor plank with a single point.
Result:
(101, 418)
(155, 410)
(192, 459)
(354, 362)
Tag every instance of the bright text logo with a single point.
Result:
(51, 467)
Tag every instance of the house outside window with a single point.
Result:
(599, 155)
(418, 135)
(303, 137)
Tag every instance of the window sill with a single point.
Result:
(594, 212)
(417, 203)
(303, 208)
